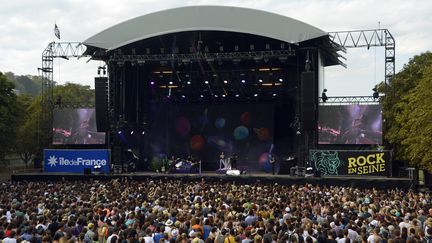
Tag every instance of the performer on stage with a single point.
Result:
(224, 162)
(171, 165)
(194, 165)
(272, 162)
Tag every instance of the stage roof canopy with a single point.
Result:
(200, 18)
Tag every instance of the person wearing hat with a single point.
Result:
(168, 226)
(90, 235)
(174, 234)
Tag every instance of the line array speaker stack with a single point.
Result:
(101, 100)
(308, 101)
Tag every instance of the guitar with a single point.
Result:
(272, 159)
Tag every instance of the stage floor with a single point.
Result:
(355, 181)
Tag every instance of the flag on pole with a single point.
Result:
(56, 31)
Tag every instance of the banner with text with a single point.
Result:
(75, 161)
(351, 162)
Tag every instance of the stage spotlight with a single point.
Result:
(132, 132)
(243, 81)
(183, 96)
(223, 95)
(206, 82)
(280, 80)
(324, 96)
(152, 82)
(274, 94)
(143, 133)
(225, 81)
(260, 80)
(237, 95)
(255, 95)
(188, 82)
(202, 96)
(215, 96)
(171, 83)
(119, 132)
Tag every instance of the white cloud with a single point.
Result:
(27, 28)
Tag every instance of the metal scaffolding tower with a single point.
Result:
(370, 38)
(54, 50)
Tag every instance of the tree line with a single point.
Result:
(407, 112)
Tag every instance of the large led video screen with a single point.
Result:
(76, 126)
(205, 131)
(350, 124)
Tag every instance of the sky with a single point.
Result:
(26, 28)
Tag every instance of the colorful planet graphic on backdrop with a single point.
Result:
(220, 122)
(197, 142)
(262, 133)
(241, 133)
(245, 118)
(220, 142)
(182, 126)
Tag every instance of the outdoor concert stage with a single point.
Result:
(354, 181)
(208, 82)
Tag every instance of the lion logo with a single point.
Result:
(326, 162)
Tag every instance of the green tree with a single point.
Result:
(24, 141)
(26, 84)
(10, 116)
(407, 112)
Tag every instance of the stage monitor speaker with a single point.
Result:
(308, 101)
(87, 171)
(101, 100)
(286, 165)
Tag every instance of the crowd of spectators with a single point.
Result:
(163, 211)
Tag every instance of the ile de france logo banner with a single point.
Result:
(75, 161)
